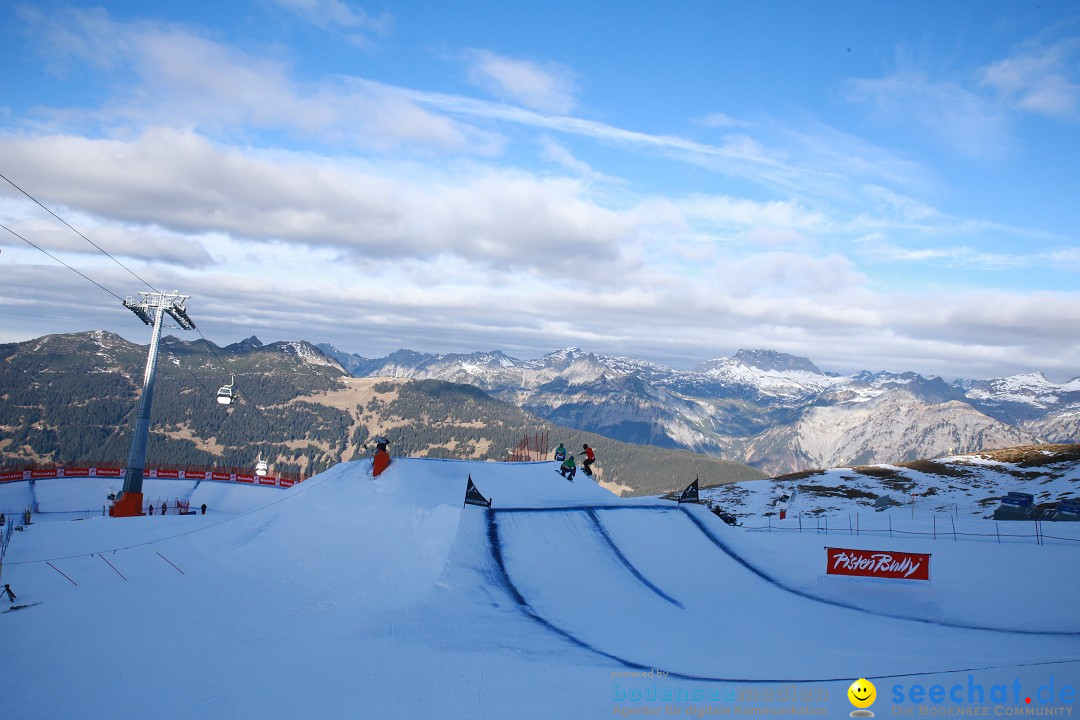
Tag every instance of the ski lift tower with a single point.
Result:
(151, 309)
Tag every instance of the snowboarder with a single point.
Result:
(560, 453)
(590, 458)
(569, 468)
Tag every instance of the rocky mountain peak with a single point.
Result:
(773, 360)
(251, 343)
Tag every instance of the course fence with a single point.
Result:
(937, 527)
(212, 474)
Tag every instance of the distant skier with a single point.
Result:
(560, 453)
(569, 468)
(590, 458)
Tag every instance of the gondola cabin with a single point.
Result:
(227, 393)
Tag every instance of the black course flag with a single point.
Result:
(690, 494)
(473, 496)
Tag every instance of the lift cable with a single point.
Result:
(65, 222)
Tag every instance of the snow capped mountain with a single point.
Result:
(307, 352)
(775, 411)
(1030, 388)
(771, 373)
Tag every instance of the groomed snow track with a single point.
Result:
(659, 579)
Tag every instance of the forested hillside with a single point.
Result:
(71, 399)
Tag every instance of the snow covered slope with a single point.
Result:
(346, 596)
(959, 486)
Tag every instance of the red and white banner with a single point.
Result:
(877, 563)
(150, 473)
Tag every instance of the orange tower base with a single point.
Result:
(380, 462)
(127, 505)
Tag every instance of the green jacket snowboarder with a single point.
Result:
(569, 468)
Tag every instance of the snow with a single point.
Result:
(310, 354)
(781, 383)
(964, 488)
(347, 596)
(1028, 388)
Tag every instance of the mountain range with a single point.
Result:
(72, 398)
(773, 411)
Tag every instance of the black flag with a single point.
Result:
(690, 494)
(473, 496)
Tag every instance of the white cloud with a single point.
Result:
(170, 75)
(722, 120)
(181, 181)
(967, 257)
(339, 15)
(144, 242)
(1039, 81)
(556, 153)
(549, 88)
(960, 119)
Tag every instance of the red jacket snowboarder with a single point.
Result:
(590, 458)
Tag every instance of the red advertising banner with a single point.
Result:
(82, 472)
(877, 563)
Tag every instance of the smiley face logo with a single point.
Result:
(862, 694)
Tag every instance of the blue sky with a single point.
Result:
(883, 186)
